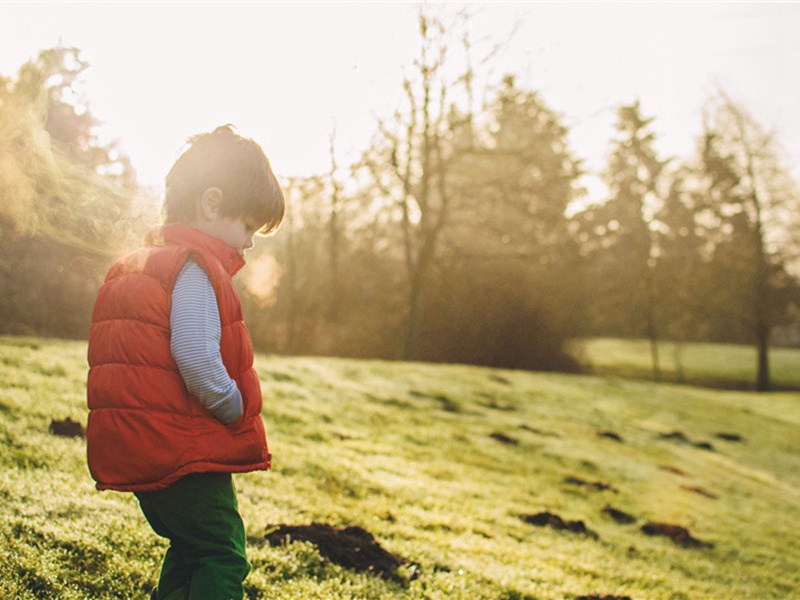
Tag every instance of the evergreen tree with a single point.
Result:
(619, 236)
(506, 287)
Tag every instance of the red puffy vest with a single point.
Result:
(145, 429)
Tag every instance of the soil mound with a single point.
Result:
(619, 516)
(677, 436)
(680, 437)
(730, 437)
(66, 428)
(547, 519)
(611, 435)
(539, 431)
(504, 439)
(679, 535)
(674, 470)
(349, 547)
(700, 490)
(598, 486)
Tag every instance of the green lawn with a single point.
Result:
(715, 365)
(439, 463)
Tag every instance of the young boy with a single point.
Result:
(174, 402)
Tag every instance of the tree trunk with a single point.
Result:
(291, 277)
(652, 330)
(762, 346)
(416, 297)
(411, 338)
(335, 306)
(763, 382)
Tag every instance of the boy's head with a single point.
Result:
(234, 165)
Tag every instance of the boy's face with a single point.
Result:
(237, 232)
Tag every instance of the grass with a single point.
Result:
(726, 366)
(439, 463)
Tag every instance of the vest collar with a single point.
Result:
(179, 234)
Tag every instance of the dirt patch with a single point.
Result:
(349, 547)
(679, 535)
(445, 403)
(676, 436)
(539, 431)
(611, 435)
(499, 379)
(704, 446)
(619, 516)
(674, 470)
(730, 437)
(494, 404)
(699, 490)
(680, 437)
(547, 519)
(66, 428)
(504, 439)
(598, 486)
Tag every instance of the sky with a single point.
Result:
(289, 74)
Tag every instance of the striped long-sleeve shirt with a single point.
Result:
(196, 333)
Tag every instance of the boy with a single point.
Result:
(174, 402)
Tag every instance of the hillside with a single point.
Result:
(472, 480)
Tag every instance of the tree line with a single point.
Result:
(67, 202)
(461, 235)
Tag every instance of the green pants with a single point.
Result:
(199, 515)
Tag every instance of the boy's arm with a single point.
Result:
(194, 342)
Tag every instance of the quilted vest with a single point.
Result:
(145, 430)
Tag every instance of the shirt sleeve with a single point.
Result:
(195, 340)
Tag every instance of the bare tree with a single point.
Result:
(419, 156)
(760, 207)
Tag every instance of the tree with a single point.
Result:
(416, 147)
(754, 206)
(507, 274)
(619, 235)
(334, 235)
(61, 219)
(296, 317)
(49, 82)
(517, 176)
(477, 199)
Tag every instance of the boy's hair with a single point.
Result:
(238, 167)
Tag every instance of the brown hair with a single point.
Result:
(234, 164)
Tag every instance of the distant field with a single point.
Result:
(716, 365)
(484, 483)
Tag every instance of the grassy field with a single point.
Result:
(446, 466)
(715, 365)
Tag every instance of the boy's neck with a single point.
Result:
(182, 234)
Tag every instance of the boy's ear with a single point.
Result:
(210, 203)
